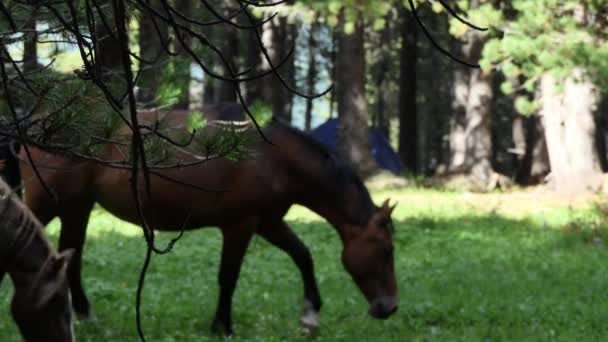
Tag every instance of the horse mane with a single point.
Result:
(20, 227)
(339, 169)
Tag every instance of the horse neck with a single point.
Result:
(342, 202)
(24, 247)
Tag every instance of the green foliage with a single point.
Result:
(262, 112)
(330, 11)
(525, 106)
(195, 121)
(547, 36)
(175, 82)
(465, 271)
(69, 113)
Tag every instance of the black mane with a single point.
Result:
(339, 169)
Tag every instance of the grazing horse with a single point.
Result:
(41, 303)
(252, 196)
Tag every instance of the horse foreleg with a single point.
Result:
(281, 236)
(236, 240)
(73, 233)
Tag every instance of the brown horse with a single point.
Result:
(255, 193)
(41, 303)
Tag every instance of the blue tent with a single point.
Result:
(382, 152)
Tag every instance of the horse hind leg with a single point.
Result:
(73, 232)
(281, 236)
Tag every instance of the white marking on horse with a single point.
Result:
(309, 317)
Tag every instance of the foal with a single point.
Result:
(41, 303)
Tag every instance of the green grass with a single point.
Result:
(470, 267)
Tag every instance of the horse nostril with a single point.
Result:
(382, 310)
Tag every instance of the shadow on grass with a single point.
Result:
(462, 278)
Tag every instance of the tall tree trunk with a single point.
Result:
(532, 159)
(253, 91)
(470, 131)
(151, 48)
(30, 50)
(353, 135)
(334, 58)
(109, 59)
(570, 133)
(311, 76)
(278, 37)
(282, 39)
(601, 123)
(381, 119)
(182, 62)
(226, 91)
(408, 111)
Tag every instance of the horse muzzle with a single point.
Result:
(384, 307)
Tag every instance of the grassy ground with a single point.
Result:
(517, 267)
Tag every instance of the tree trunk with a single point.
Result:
(278, 37)
(408, 120)
(182, 62)
(311, 76)
(353, 136)
(532, 160)
(470, 131)
(151, 49)
(226, 91)
(281, 40)
(570, 133)
(381, 119)
(253, 89)
(109, 58)
(30, 50)
(601, 124)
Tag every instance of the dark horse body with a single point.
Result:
(41, 303)
(259, 191)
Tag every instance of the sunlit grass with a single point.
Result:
(470, 267)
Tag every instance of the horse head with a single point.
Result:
(42, 310)
(368, 257)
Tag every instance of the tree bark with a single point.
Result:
(182, 62)
(30, 50)
(353, 136)
(278, 37)
(151, 48)
(226, 91)
(408, 111)
(281, 40)
(381, 120)
(108, 53)
(570, 132)
(532, 159)
(311, 76)
(470, 131)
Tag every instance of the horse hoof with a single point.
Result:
(82, 309)
(219, 328)
(309, 318)
(83, 316)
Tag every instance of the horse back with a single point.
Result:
(205, 193)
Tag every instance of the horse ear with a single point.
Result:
(392, 208)
(51, 278)
(387, 208)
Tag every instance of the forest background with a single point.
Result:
(535, 112)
